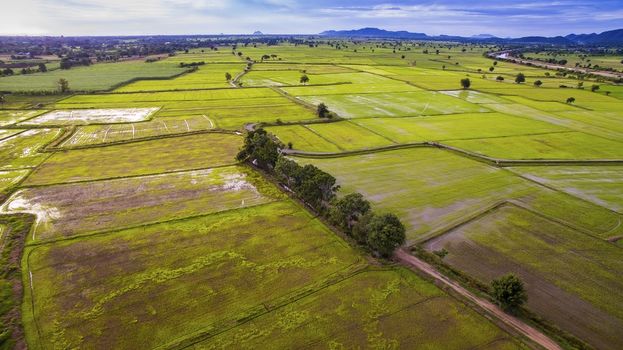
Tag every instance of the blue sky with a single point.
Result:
(131, 17)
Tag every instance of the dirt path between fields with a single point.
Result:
(519, 326)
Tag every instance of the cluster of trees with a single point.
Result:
(41, 67)
(267, 57)
(352, 213)
(68, 62)
(192, 64)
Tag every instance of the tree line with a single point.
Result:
(352, 213)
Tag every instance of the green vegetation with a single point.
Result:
(563, 268)
(98, 77)
(148, 232)
(138, 158)
(508, 291)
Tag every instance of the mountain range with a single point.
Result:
(612, 37)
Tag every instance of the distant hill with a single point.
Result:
(613, 37)
(375, 33)
(609, 37)
(483, 36)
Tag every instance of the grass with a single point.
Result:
(348, 136)
(227, 108)
(303, 138)
(368, 310)
(101, 134)
(9, 117)
(21, 150)
(90, 116)
(138, 158)
(571, 277)
(149, 235)
(102, 76)
(600, 185)
(573, 145)
(408, 104)
(206, 77)
(72, 209)
(456, 126)
(10, 178)
(196, 275)
(431, 190)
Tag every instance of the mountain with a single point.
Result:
(374, 33)
(558, 40)
(613, 37)
(609, 37)
(483, 36)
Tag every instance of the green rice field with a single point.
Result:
(135, 226)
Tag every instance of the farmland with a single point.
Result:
(103, 76)
(147, 232)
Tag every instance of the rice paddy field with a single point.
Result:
(147, 233)
(100, 76)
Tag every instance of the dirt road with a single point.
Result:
(529, 332)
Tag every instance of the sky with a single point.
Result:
(456, 17)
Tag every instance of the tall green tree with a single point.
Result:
(466, 83)
(63, 85)
(347, 210)
(259, 149)
(316, 187)
(509, 292)
(385, 234)
(304, 79)
(322, 110)
(288, 171)
(520, 78)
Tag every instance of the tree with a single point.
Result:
(259, 149)
(288, 171)
(63, 85)
(385, 234)
(571, 100)
(521, 78)
(347, 211)
(304, 79)
(491, 69)
(228, 76)
(509, 292)
(466, 83)
(316, 187)
(499, 78)
(322, 111)
(360, 228)
(538, 83)
(594, 88)
(43, 67)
